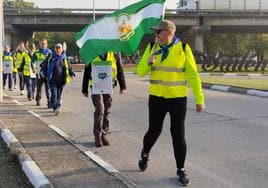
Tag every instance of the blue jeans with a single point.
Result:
(33, 86)
(56, 92)
(28, 82)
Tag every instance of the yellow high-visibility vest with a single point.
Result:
(67, 79)
(40, 58)
(27, 65)
(18, 59)
(110, 58)
(8, 58)
(168, 79)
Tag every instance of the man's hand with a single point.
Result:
(85, 94)
(123, 91)
(151, 60)
(200, 107)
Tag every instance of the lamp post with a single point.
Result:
(1, 48)
(94, 14)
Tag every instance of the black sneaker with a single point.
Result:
(182, 177)
(143, 161)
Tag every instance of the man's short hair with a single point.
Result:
(43, 39)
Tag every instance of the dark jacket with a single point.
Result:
(59, 71)
(120, 74)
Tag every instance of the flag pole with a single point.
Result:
(119, 54)
(1, 48)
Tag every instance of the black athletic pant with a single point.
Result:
(158, 108)
(39, 83)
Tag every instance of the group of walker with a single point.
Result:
(170, 63)
(36, 68)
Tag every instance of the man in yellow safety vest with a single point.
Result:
(171, 65)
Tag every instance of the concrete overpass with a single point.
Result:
(191, 26)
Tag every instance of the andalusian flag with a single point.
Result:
(120, 31)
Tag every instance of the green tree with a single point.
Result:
(58, 37)
(18, 4)
(237, 44)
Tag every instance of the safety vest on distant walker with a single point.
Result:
(18, 60)
(40, 58)
(27, 66)
(7, 64)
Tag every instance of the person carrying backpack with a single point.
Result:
(171, 65)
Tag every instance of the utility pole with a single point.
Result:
(118, 4)
(1, 47)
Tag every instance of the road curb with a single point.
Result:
(246, 91)
(108, 168)
(101, 163)
(29, 167)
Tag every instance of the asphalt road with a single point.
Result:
(227, 144)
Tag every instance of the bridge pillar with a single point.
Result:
(7, 39)
(195, 36)
(199, 42)
(15, 35)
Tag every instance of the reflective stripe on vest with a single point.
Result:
(168, 83)
(167, 69)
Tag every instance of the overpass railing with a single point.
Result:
(202, 12)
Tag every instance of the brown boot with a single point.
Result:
(105, 141)
(98, 142)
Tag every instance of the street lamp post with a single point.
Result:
(94, 14)
(1, 48)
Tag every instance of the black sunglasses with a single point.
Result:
(158, 31)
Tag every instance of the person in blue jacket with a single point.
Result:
(57, 71)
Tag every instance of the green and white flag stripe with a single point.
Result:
(121, 30)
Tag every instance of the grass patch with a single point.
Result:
(248, 82)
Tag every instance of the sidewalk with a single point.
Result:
(62, 163)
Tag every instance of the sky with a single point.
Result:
(112, 4)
